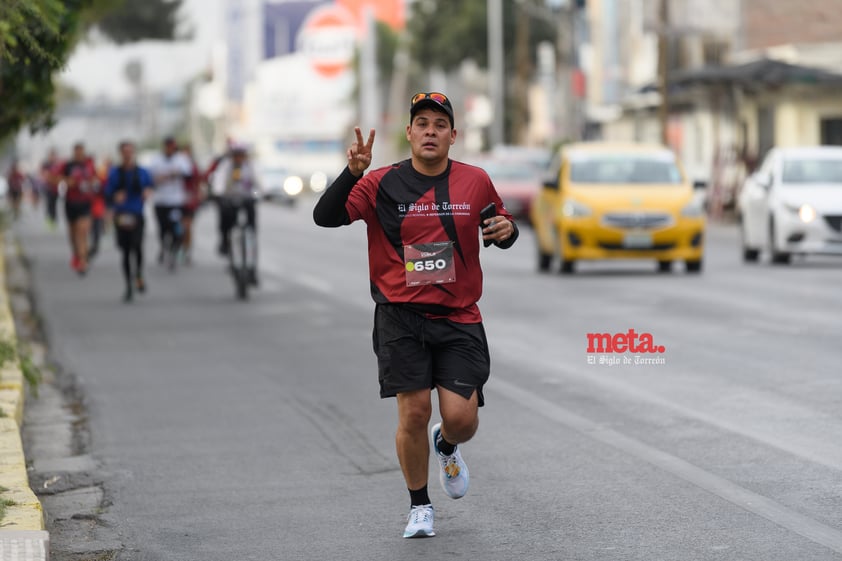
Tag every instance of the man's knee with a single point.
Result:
(415, 410)
(460, 417)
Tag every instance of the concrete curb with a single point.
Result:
(22, 534)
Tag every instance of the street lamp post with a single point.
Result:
(496, 88)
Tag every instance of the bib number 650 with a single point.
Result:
(426, 265)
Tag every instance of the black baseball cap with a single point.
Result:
(435, 100)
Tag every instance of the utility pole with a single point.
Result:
(567, 66)
(497, 84)
(520, 122)
(663, 69)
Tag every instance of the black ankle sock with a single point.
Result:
(444, 446)
(419, 497)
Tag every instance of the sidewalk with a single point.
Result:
(22, 535)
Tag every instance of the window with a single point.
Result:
(832, 131)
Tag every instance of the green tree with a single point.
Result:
(444, 33)
(38, 36)
(137, 20)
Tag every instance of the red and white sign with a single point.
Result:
(328, 38)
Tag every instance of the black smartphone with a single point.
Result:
(488, 212)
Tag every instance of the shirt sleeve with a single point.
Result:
(111, 185)
(361, 199)
(185, 167)
(146, 181)
(331, 209)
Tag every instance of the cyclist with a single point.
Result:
(128, 188)
(208, 178)
(235, 186)
(170, 172)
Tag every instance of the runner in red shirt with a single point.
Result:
(80, 178)
(16, 180)
(193, 186)
(99, 208)
(423, 217)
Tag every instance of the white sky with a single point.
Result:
(99, 69)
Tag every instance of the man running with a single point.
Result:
(128, 188)
(423, 216)
(79, 176)
(51, 169)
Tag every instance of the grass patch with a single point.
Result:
(5, 503)
(31, 373)
(8, 351)
(20, 352)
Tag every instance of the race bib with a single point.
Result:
(126, 221)
(429, 263)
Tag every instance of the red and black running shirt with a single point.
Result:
(402, 207)
(81, 181)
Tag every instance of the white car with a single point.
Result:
(275, 184)
(792, 205)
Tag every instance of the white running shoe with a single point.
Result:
(454, 471)
(420, 524)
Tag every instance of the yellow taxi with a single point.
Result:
(606, 200)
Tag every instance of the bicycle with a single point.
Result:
(242, 254)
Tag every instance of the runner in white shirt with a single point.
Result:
(170, 171)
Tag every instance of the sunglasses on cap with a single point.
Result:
(435, 96)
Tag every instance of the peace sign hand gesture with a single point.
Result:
(359, 154)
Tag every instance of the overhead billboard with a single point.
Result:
(304, 87)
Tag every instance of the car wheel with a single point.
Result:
(750, 255)
(567, 267)
(778, 257)
(545, 260)
(664, 266)
(694, 266)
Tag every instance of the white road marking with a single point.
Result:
(731, 492)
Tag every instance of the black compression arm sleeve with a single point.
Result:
(507, 243)
(330, 210)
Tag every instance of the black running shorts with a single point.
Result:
(76, 210)
(414, 353)
(129, 236)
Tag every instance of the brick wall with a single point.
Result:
(767, 23)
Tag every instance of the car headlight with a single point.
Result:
(293, 185)
(574, 209)
(318, 182)
(694, 209)
(805, 212)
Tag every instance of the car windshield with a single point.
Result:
(498, 170)
(273, 173)
(623, 168)
(816, 170)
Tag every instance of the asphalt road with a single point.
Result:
(253, 430)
